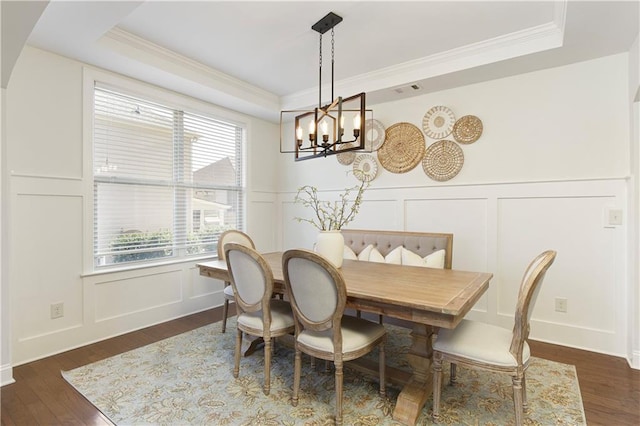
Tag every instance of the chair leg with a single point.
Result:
(453, 376)
(383, 367)
(225, 312)
(517, 399)
(297, 369)
(236, 368)
(437, 384)
(339, 391)
(267, 365)
(525, 404)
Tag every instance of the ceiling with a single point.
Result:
(259, 57)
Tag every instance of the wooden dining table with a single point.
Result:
(428, 298)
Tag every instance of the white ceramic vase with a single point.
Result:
(330, 244)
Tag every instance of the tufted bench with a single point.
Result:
(421, 243)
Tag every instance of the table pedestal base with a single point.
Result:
(416, 392)
(250, 344)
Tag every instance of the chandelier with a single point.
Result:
(329, 129)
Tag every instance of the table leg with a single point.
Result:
(416, 392)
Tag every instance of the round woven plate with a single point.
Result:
(374, 134)
(467, 129)
(403, 148)
(443, 160)
(438, 122)
(346, 158)
(365, 167)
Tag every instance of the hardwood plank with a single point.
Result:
(610, 388)
(50, 391)
(14, 412)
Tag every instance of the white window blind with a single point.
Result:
(167, 182)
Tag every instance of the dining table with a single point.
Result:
(428, 298)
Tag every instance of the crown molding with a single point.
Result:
(139, 49)
(519, 43)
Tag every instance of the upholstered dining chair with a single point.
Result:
(318, 298)
(230, 236)
(477, 345)
(258, 314)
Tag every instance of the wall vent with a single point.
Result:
(408, 88)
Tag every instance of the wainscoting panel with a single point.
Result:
(200, 286)
(466, 219)
(375, 213)
(46, 257)
(261, 226)
(202, 292)
(382, 214)
(296, 234)
(123, 297)
(584, 272)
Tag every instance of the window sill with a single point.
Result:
(114, 270)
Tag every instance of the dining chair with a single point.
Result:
(318, 296)
(230, 236)
(258, 314)
(483, 346)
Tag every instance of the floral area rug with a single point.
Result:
(187, 379)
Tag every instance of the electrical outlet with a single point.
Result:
(561, 304)
(57, 310)
(615, 217)
(612, 217)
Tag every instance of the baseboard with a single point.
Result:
(6, 375)
(634, 362)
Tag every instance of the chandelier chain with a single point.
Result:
(320, 53)
(332, 46)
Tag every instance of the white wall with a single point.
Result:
(49, 158)
(634, 205)
(6, 371)
(554, 155)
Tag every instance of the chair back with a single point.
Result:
(316, 290)
(251, 278)
(233, 236)
(529, 289)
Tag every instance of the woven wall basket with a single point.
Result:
(403, 148)
(467, 129)
(365, 167)
(346, 158)
(443, 160)
(438, 122)
(374, 135)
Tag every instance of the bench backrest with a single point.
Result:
(421, 243)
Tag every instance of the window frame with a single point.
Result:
(165, 97)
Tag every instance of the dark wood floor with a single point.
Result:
(610, 389)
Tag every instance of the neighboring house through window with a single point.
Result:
(167, 181)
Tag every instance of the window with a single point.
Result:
(166, 181)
